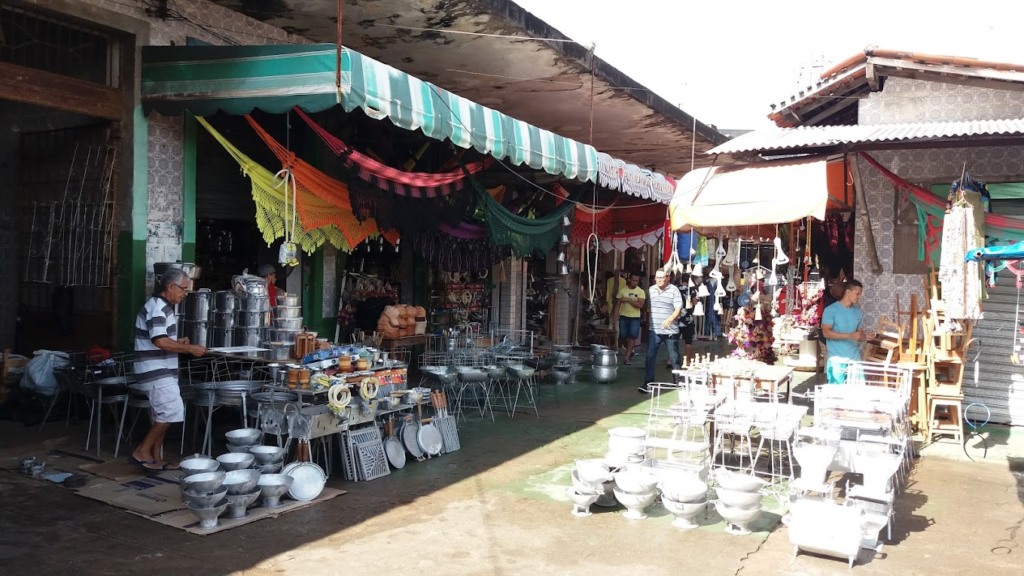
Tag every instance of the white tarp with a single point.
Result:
(771, 192)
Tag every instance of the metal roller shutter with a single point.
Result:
(1000, 383)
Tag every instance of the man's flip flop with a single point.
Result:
(171, 466)
(146, 465)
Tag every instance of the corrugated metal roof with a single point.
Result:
(803, 137)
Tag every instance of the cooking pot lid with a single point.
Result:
(308, 481)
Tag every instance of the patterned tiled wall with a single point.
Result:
(210, 23)
(906, 100)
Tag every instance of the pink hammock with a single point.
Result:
(414, 184)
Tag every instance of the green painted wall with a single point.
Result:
(131, 243)
(188, 171)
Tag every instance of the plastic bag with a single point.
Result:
(38, 376)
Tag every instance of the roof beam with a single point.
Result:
(31, 86)
(871, 73)
(839, 105)
(982, 78)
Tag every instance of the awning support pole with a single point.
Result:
(865, 214)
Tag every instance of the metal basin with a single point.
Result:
(272, 487)
(241, 481)
(235, 461)
(203, 500)
(239, 503)
(240, 448)
(198, 465)
(203, 483)
(267, 454)
(738, 499)
(208, 516)
(243, 436)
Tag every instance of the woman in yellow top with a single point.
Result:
(631, 304)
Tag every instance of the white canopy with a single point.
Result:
(770, 192)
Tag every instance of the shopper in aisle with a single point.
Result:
(841, 326)
(631, 303)
(666, 304)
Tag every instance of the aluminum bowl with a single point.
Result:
(240, 448)
(267, 454)
(272, 487)
(683, 489)
(208, 516)
(237, 503)
(241, 481)
(737, 499)
(272, 468)
(235, 461)
(204, 483)
(198, 465)
(243, 436)
(593, 472)
(635, 481)
(204, 500)
(739, 482)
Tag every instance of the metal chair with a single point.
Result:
(137, 400)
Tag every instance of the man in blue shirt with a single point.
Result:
(840, 324)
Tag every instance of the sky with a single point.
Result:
(726, 62)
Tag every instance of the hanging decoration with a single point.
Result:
(960, 277)
(524, 236)
(414, 184)
(271, 208)
(621, 242)
(631, 179)
(591, 219)
(332, 191)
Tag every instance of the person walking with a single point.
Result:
(840, 325)
(156, 366)
(666, 304)
(631, 303)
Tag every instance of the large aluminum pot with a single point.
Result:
(282, 335)
(223, 337)
(605, 373)
(288, 323)
(254, 304)
(286, 299)
(225, 301)
(248, 336)
(250, 319)
(196, 332)
(223, 319)
(193, 271)
(606, 357)
(250, 285)
(288, 311)
(198, 305)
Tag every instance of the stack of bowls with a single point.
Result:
(635, 488)
(288, 313)
(588, 485)
(241, 491)
(685, 496)
(242, 439)
(269, 459)
(626, 445)
(196, 465)
(739, 499)
(204, 494)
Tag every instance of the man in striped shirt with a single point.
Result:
(666, 303)
(156, 366)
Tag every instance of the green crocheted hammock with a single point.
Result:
(525, 236)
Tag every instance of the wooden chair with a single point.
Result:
(887, 345)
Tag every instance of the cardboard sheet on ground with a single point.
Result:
(188, 522)
(146, 495)
(119, 470)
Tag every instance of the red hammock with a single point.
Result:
(414, 184)
(327, 189)
(589, 220)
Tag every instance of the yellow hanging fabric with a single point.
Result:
(270, 203)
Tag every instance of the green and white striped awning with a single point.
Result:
(238, 79)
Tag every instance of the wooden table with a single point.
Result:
(766, 376)
(392, 344)
(918, 395)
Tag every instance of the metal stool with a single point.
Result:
(107, 391)
(524, 383)
(134, 399)
(473, 380)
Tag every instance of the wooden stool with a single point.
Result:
(954, 426)
(605, 336)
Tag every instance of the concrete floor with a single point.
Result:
(497, 506)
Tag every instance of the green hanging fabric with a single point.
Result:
(525, 236)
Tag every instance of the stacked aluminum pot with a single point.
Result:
(287, 324)
(225, 303)
(197, 312)
(252, 317)
(605, 363)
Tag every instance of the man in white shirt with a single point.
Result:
(666, 304)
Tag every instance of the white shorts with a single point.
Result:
(166, 405)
